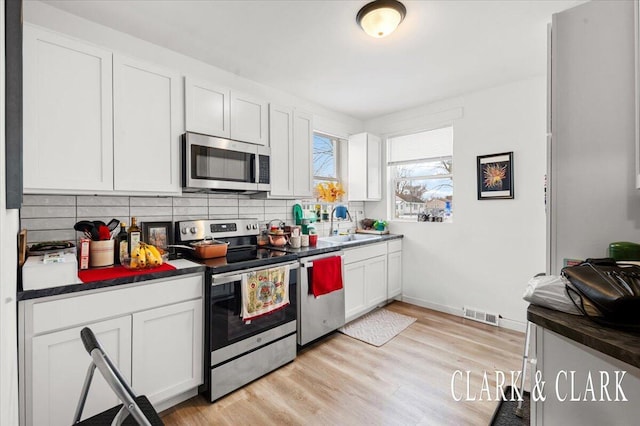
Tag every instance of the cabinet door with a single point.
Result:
(146, 139)
(68, 133)
(357, 170)
(354, 290)
(394, 279)
(376, 280)
(59, 363)
(281, 141)
(374, 168)
(302, 154)
(207, 108)
(167, 350)
(365, 167)
(249, 119)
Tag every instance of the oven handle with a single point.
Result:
(225, 280)
(234, 276)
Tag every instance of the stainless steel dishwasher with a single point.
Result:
(321, 315)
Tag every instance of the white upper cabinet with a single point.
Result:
(302, 154)
(206, 108)
(68, 138)
(281, 142)
(96, 122)
(365, 167)
(219, 111)
(146, 135)
(249, 119)
(290, 139)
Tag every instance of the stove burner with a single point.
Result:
(242, 252)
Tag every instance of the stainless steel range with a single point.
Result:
(237, 349)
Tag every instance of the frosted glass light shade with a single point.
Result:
(381, 17)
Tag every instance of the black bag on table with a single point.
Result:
(611, 288)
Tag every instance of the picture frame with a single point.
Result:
(495, 176)
(157, 233)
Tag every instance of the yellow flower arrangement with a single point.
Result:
(330, 191)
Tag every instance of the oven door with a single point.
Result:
(226, 326)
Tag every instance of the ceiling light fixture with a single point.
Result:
(381, 17)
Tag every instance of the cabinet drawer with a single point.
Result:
(366, 252)
(63, 313)
(394, 245)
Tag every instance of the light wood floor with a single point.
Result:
(343, 381)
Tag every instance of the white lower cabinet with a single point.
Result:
(153, 331)
(394, 268)
(167, 340)
(60, 363)
(365, 279)
(354, 289)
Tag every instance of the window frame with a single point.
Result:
(336, 156)
(391, 167)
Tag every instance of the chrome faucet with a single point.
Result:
(331, 218)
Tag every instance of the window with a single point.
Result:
(325, 158)
(421, 173)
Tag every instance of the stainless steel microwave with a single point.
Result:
(217, 164)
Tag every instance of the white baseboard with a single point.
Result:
(504, 322)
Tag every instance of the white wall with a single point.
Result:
(46, 16)
(485, 257)
(8, 262)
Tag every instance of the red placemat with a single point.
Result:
(89, 275)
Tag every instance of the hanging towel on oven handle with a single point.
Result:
(264, 292)
(326, 276)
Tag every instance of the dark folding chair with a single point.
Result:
(134, 410)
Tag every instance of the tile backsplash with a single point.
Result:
(51, 217)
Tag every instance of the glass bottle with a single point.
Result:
(121, 244)
(133, 235)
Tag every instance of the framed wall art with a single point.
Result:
(157, 233)
(495, 176)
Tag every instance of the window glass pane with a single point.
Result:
(421, 174)
(428, 196)
(324, 160)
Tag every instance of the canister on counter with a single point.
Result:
(305, 226)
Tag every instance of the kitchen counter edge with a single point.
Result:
(183, 267)
(620, 344)
(322, 247)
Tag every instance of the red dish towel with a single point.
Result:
(90, 275)
(326, 275)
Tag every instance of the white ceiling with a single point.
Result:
(315, 49)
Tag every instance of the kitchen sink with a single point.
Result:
(349, 239)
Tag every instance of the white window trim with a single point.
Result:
(390, 201)
(336, 156)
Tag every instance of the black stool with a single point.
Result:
(134, 410)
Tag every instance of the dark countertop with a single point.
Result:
(620, 344)
(183, 267)
(322, 247)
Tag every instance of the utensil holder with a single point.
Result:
(101, 253)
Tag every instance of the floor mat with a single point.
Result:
(377, 327)
(505, 412)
